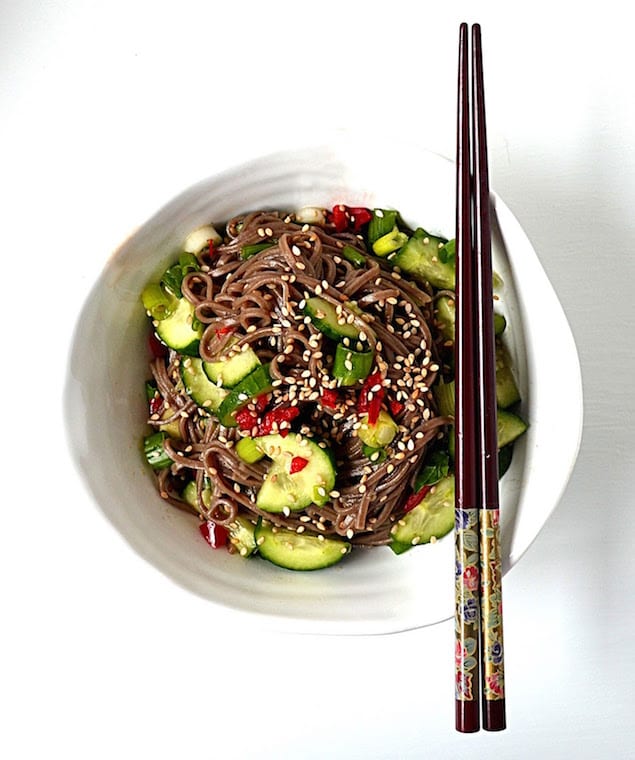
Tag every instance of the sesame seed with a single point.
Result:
(350, 533)
(286, 511)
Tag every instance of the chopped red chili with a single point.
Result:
(396, 407)
(297, 464)
(261, 402)
(416, 498)
(224, 330)
(371, 406)
(215, 535)
(281, 414)
(156, 404)
(246, 419)
(329, 398)
(359, 217)
(157, 349)
(339, 218)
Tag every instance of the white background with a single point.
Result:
(110, 109)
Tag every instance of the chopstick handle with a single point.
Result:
(493, 673)
(467, 621)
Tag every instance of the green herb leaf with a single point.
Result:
(434, 470)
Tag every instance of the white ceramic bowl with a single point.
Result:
(373, 591)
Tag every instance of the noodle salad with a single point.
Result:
(301, 396)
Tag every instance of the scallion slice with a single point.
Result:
(157, 302)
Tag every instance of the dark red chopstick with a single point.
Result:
(479, 642)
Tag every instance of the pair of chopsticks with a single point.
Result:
(479, 623)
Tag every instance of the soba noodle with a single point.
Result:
(258, 303)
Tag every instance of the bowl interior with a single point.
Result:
(373, 591)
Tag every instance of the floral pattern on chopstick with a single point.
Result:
(467, 614)
(492, 606)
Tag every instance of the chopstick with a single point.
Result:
(479, 624)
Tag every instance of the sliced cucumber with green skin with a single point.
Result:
(432, 518)
(242, 536)
(256, 383)
(198, 387)
(510, 427)
(446, 316)
(298, 551)
(281, 490)
(177, 330)
(248, 451)
(419, 257)
(350, 366)
(507, 392)
(233, 369)
(190, 495)
(155, 452)
(326, 319)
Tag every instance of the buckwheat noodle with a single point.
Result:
(259, 301)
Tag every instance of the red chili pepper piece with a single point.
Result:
(281, 414)
(329, 398)
(396, 407)
(215, 535)
(416, 498)
(156, 404)
(157, 349)
(359, 217)
(371, 406)
(246, 419)
(339, 217)
(261, 402)
(297, 465)
(211, 248)
(224, 330)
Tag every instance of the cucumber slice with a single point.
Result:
(350, 366)
(510, 427)
(311, 485)
(507, 392)
(198, 387)
(298, 551)
(155, 452)
(326, 319)
(432, 518)
(177, 330)
(232, 369)
(446, 316)
(242, 535)
(248, 450)
(190, 496)
(254, 384)
(419, 257)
